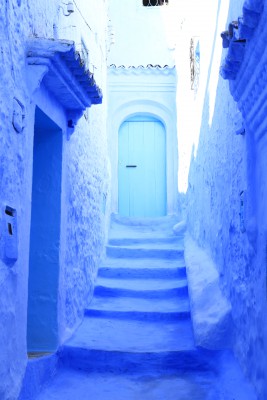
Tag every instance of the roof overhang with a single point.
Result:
(57, 65)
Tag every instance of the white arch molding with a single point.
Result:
(123, 111)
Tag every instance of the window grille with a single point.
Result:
(194, 63)
(153, 3)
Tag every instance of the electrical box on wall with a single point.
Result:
(10, 235)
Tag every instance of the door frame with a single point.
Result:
(168, 119)
(44, 249)
(42, 100)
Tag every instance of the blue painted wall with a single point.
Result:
(226, 196)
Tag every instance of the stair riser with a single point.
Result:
(132, 363)
(136, 241)
(165, 254)
(39, 371)
(140, 315)
(132, 273)
(141, 294)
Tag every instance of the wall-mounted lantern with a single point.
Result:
(69, 9)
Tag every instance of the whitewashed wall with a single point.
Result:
(216, 165)
(141, 39)
(149, 91)
(84, 181)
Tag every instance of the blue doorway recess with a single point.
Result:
(142, 168)
(42, 329)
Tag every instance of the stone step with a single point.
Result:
(143, 225)
(101, 360)
(110, 345)
(140, 309)
(138, 273)
(227, 384)
(141, 288)
(159, 241)
(144, 252)
(111, 334)
(72, 384)
(124, 268)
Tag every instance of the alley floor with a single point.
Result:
(136, 341)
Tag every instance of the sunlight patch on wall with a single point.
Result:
(193, 107)
(215, 67)
(172, 21)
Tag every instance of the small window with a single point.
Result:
(153, 3)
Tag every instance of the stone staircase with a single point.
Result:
(136, 341)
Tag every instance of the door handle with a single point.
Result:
(131, 166)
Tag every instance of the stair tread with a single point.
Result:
(157, 245)
(139, 304)
(70, 384)
(133, 336)
(111, 262)
(151, 246)
(144, 252)
(141, 284)
(148, 239)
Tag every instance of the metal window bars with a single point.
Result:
(153, 3)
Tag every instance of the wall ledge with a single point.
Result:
(210, 310)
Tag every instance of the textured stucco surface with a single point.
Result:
(84, 177)
(86, 188)
(221, 165)
(210, 310)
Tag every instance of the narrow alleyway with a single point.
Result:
(136, 340)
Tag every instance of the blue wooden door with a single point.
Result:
(142, 168)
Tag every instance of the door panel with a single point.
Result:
(142, 169)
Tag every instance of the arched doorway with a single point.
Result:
(142, 167)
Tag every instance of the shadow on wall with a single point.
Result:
(222, 207)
